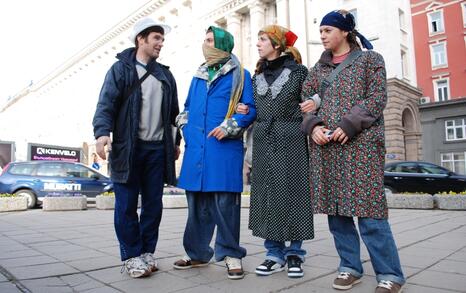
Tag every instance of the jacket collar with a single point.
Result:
(203, 73)
(327, 56)
(128, 57)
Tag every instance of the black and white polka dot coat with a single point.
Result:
(281, 206)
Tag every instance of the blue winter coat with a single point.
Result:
(120, 116)
(210, 165)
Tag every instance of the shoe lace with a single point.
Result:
(136, 263)
(344, 275)
(148, 257)
(233, 262)
(385, 284)
(268, 263)
(294, 261)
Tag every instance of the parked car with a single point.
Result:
(413, 176)
(37, 179)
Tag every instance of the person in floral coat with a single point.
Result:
(347, 152)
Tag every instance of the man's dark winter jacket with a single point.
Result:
(120, 116)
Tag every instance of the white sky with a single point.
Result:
(39, 35)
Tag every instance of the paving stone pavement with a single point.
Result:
(76, 251)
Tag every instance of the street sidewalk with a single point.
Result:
(78, 252)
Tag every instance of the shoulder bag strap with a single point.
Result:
(139, 82)
(135, 86)
(328, 81)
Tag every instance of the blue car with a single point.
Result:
(37, 179)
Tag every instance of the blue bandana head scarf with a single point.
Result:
(345, 23)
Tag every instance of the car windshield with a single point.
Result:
(79, 171)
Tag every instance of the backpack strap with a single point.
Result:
(329, 79)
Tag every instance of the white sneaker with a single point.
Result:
(150, 261)
(234, 268)
(269, 267)
(136, 267)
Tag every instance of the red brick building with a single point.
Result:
(439, 29)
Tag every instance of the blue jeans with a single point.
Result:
(205, 211)
(278, 251)
(377, 237)
(139, 235)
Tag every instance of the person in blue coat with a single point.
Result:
(138, 105)
(211, 172)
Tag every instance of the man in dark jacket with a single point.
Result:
(137, 107)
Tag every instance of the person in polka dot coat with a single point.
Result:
(347, 167)
(281, 207)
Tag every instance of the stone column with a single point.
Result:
(283, 13)
(189, 33)
(412, 141)
(401, 143)
(394, 142)
(185, 11)
(298, 24)
(257, 20)
(234, 27)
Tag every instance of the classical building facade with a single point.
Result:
(58, 110)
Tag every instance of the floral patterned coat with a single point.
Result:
(347, 179)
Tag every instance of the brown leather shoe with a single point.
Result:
(345, 281)
(187, 263)
(388, 287)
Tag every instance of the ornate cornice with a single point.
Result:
(224, 8)
(102, 40)
(398, 83)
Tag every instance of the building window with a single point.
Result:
(436, 22)
(463, 5)
(401, 19)
(404, 64)
(454, 162)
(439, 54)
(441, 90)
(455, 129)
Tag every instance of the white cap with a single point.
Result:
(146, 23)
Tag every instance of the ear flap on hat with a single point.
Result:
(290, 38)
